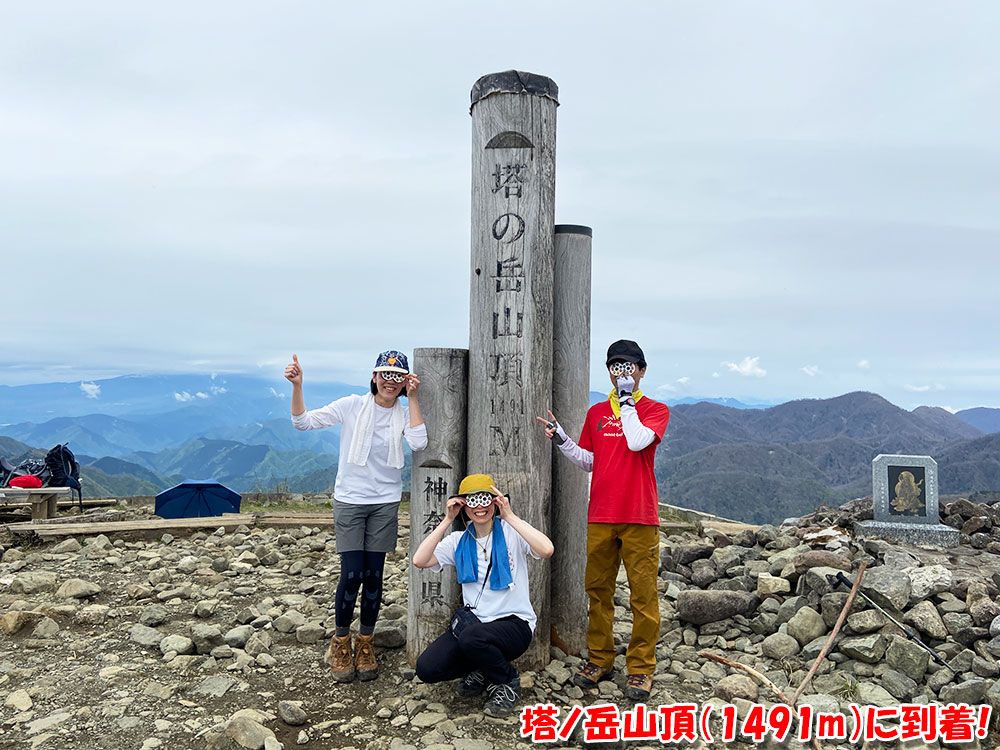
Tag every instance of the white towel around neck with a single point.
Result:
(364, 429)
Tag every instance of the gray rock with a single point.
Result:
(735, 686)
(206, 637)
(180, 644)
(701, 607)
(145, 635)
(971, 691)
(289, 621)
(688, 553)
(867, 621)
(238, 636)
(311, 632)
(907, 657)
(215, 686)
(390, 634)
(890, 588)
(291, 714)
(33, 582)
(928, 581)
(806, 625)
(898, 684)
(153, 615)
(925, 618)
(259, 643)
(247, 733)
(868, 648)
(779, 646)
(768, 585)
(69, 546)
(206, 608)
(871, 694)
(46, 628)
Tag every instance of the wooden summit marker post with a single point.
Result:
(510, 340)
(570, 399)
(437, 471)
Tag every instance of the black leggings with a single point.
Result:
(356, 568)
(486, 646)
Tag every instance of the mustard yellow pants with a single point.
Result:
(638, 546)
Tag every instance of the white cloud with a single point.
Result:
(91, 390)
(716, 375)
(183, 396)
(916, 388)
(684, 381)
(217, 390)
(201, 394)
(276, 394)
(864, 364)
(810, 370)
(666, 387)
(747, 368)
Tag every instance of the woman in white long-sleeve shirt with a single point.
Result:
(367, 494)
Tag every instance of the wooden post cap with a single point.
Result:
(574, 229)
(514, 82)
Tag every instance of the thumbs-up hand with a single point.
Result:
(293, 371)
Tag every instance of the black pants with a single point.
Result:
(356, 568)
(486, 646)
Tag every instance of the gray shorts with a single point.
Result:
(365, 527)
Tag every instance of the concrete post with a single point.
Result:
(510, 343)
(437, 471)
(570, 401)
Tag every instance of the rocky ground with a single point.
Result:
(216, 640)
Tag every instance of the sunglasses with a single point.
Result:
(392, 377)
(478, 500)
(621, 368)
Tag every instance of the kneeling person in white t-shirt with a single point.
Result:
(490, 558)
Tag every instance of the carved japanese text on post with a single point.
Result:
(431, 595)
(509, 178)
(510, 274)
(506, 368)
(508, 227)
(505, 442)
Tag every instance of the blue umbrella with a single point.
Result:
(195, 498)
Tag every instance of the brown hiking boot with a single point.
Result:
(364, 657)
(590, 675)
(638, 687)
(341, 659)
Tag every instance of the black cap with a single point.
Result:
(626, 351)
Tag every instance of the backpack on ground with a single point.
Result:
(64, 470)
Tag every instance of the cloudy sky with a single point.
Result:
(788, 199)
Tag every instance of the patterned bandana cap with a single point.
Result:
(392, 361)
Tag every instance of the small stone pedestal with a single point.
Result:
(905, 502)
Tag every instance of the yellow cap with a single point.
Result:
(476, 483)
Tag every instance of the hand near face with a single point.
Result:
(502, 503)
(453, 508)
(412, 384)
(293, 371)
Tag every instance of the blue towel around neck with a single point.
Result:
(467, 558)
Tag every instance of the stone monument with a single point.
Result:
(905, 502)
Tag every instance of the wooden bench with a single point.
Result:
(43, 499)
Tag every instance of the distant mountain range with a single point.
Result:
(137, 435)
(764, 465)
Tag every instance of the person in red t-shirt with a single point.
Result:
(618, 444)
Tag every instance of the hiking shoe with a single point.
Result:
(590, 675)
(472, 684)
(364, 657)
(502, 697)
(638, 686)
(341, 658)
